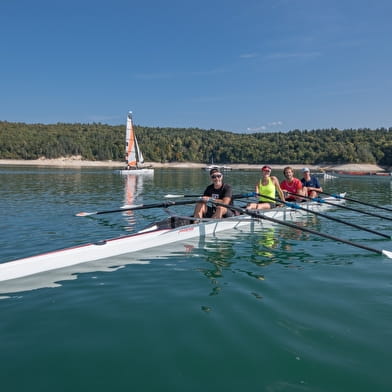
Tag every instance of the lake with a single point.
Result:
(274, 310)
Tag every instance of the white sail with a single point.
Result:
(130, 150)
(139, 154)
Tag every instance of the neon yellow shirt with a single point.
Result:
(267, 190)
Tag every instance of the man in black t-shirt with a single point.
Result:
(218, 191)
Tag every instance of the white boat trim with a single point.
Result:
(144, 171)
(151, 237)
(218, 167)
(212, 165)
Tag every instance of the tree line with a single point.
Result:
(101, 142)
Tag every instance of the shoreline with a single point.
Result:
(78, 163)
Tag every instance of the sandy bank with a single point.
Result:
(60, 163)
(67, 162)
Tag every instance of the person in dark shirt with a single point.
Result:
(311, 185)
(218, 191)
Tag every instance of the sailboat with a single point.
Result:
(214, 166)
(133, 155)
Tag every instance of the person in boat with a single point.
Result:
(267, 186)
(291, 185)
(219, 191)
(311, 185)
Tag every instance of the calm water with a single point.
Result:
(276, 310)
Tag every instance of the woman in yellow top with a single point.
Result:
(268, 186)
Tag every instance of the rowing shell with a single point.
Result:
(156, 235)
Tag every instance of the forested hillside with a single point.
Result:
(106, 142)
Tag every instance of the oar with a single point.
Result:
(296, 227)
(141, 207)
(299, 207)
(357, 201)
(319, 200)
(170, 196)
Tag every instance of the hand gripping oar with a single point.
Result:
(170, 196)
(319, 200)
(356, 201)
(296, 227)
(141, 207)
(299, 207)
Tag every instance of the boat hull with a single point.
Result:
(148, 238)
(137, 172)
(363, 176)
(111, 247)
(218, 167)
(324, 175)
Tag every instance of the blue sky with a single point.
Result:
(241, 66)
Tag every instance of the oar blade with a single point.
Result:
(170, 196)
(85, 213)
(387, 253)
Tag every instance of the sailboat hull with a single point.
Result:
(141, 171)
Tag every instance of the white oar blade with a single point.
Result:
(387, 253)
(173, 196)
(85, 213)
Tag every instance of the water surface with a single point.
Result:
(277, 310)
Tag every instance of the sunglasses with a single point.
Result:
(216, 176)
(266, 170)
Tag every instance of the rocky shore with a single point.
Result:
(70, 162)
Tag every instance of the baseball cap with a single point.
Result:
(214, 170)
(305, 169)
(266, 167)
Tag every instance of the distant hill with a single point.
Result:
(102, 142)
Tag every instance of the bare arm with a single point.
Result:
(310, 188)
(226, 200)
(315, 188)
(277, 187)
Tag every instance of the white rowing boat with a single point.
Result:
(169, 231)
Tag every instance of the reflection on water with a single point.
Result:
(133, 189)
(219, 255)
(278, 244)
(290, 312)
(262, 247)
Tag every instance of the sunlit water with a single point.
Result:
(276, 310)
